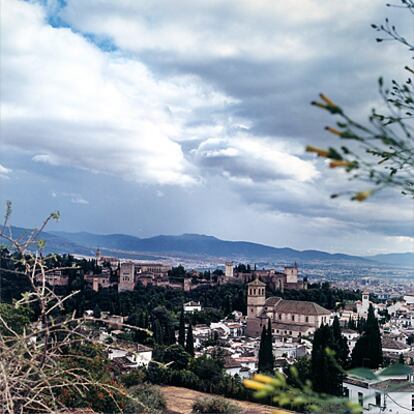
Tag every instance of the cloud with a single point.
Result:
(4, 172)
(74, 198)
(49, 159)
(253, 158)
(212, 97)
(73, 104)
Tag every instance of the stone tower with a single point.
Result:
(228, 269)
(291, 274)
(365, 301)
(256, 296)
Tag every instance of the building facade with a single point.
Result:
(289, 318)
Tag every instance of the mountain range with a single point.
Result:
(196, 246)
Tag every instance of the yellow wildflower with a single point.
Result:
(321, 152)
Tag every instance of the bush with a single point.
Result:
(215, 405)
(134, 377)
(147, 399)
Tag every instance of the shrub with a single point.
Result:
(215, 405)
(147, 399)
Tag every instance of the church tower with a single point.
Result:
(256, 296)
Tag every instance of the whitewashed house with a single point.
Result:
(391, 392)
(192, 306)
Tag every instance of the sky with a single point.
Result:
(170, 117)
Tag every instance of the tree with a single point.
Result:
(189, 345)
(384, 152)
(97, 312)
(340, 345)
(266, 359)
(327, 375)
(299, 372)
(367, 352)
(177, 355)
(181, 329)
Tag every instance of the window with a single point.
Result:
(360, 398)
(345, 392)
(293, 317)
(306, 318)
(280, 316)
(378, 399)
(412, 402)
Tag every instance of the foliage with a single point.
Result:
(16, 318)
(176, 357)
(145, 399)
(216, 405)
(302, 368)
(368, 349)
(266, 359)
(301, 398)
(189, 344)
(381, 151)
(181, 329)
(327, 374)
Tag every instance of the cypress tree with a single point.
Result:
(262, 351)
(326, 375)
(266, 359)
(157, 332)
(269, 349)
(181, 329)
(97, 312)
(189, 346)
(340, 345)
(367, 352)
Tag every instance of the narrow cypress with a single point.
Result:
(181, 330)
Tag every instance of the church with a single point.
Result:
(289, 318)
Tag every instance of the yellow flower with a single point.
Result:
(335, 164)
(327, 100)
(263, 378)
(334, 131)
(321, 152)
(254, 385)
(362, 195)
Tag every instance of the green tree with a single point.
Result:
(299, 372)
(189, 345)
(367, 352)
(340, 345)
(266, 359)
(327, 375)
(177, 355)
(181, 329)
(97, 312)
(14, 318)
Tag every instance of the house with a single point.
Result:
(393, 347)
(289, 318)
(390, 391)
(351, 337)
(130, 355)
(192, 306)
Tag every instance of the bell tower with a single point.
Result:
(256, 296)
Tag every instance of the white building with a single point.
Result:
(128, 357)
(192, 306)
(391, 392)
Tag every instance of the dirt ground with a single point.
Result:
(180, 401)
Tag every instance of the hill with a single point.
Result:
(197, 246)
